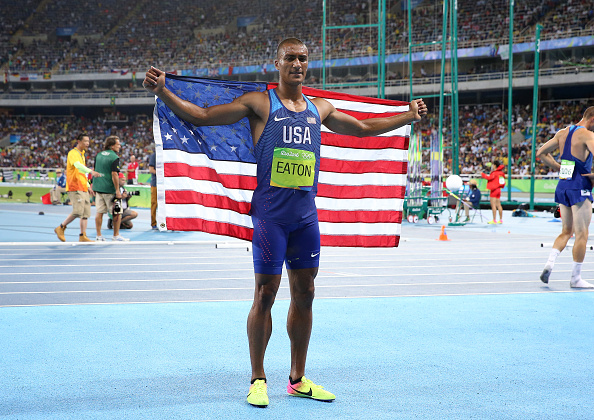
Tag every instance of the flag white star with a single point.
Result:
(174, 130)
(233, 148)
(168, 136)
(213, 147)
(184, 139)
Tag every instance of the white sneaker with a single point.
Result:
(100, 239)
(581, 284)
(120, 238)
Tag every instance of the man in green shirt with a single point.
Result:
(107, 190)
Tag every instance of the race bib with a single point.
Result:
(566, 170)
(293, 168)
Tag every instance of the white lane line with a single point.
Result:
(49, 273)
(116, 243)
(325, 259)
(539, 292)
(89, 263)
(251, 288)
(125, 280)
(226, 263)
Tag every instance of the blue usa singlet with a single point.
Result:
(570, 174)
(288, 157)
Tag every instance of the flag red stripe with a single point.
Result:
(217, 228)
(360, 240)
(363, 191)
(348, 97)
(339, 140)
(177, 169)
(355, 216)
(206, 200)
(363, 167)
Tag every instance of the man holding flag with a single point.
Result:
(286, 133)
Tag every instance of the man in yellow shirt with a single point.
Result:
(78, 188)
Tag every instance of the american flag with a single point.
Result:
(206, 175)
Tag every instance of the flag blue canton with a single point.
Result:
(228, 142)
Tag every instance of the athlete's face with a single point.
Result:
(291, 63)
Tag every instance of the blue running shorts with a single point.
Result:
(570, 197)
(297, 244)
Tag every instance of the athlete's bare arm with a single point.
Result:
(342, 123)
(253, 105)
(544, 152)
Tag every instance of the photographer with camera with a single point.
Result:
(127, 214)
(108, 196)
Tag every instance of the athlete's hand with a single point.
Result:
(154, 80)
(96, 174)
(419, 109)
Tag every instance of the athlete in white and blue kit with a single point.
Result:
(286, 131)
(573, 192)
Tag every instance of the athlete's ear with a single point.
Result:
(276, 64)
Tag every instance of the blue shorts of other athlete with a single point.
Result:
(273, 243)
(570, 197)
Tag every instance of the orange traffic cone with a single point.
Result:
(443, 236)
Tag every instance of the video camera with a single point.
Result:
(133, 193)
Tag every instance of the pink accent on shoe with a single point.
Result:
(291, 387)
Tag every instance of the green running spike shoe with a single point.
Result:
(307, 389)
(258, 395)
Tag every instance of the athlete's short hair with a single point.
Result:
(287, 41)
(589, 113)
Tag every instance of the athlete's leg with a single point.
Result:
(269, 244)
(493, 201)
(582, 215)
(560, 242)
(259, 324)
(500, 208)
(566, 228)
(299, 320)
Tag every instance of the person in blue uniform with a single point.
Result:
(573, 193)
(473, 198)
(286, 131)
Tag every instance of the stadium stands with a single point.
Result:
(45, 141)
(115, 35)
(70, 37)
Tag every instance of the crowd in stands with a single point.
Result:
(483, 135)
(175, 34)
(45, 141)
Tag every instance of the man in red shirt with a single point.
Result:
(132, 171)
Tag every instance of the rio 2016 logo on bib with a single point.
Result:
(567, 168)
(293, 168)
